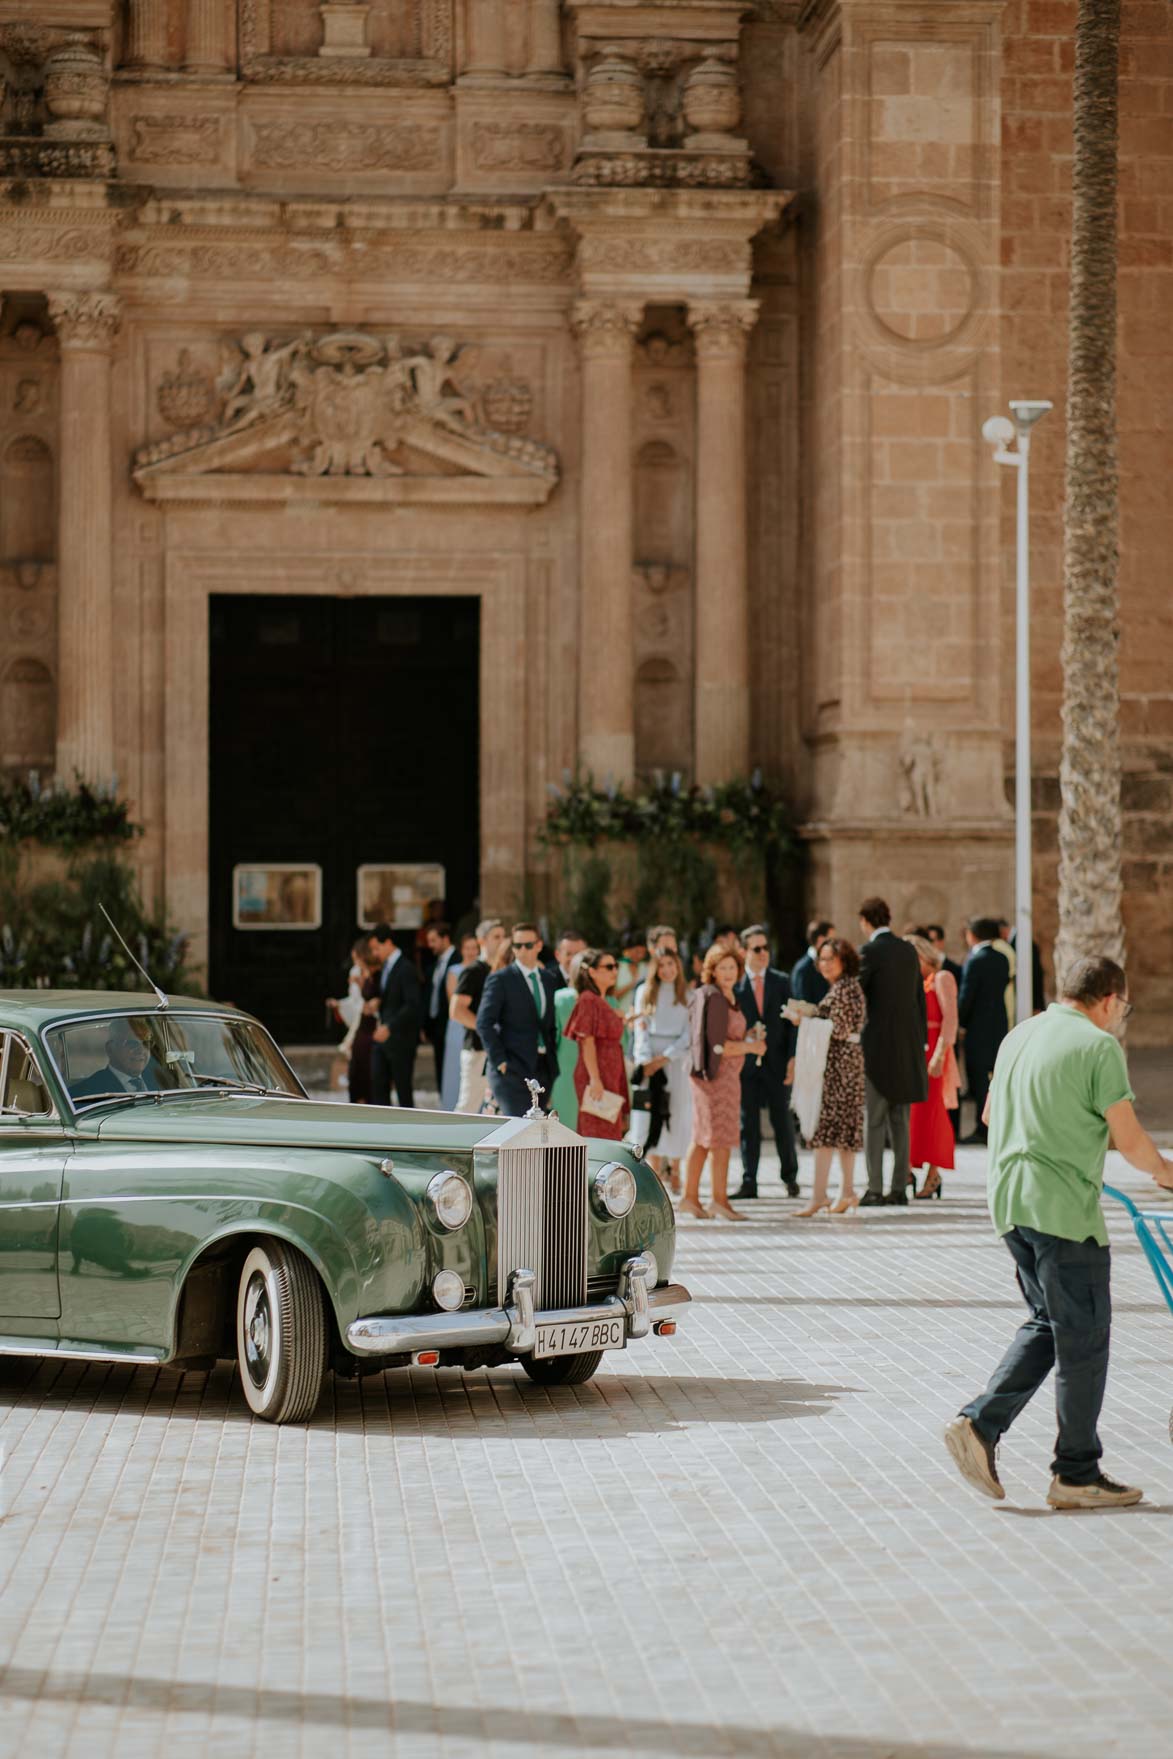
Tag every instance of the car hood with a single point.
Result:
(249, 1120)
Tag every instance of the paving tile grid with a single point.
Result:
(746, 1540)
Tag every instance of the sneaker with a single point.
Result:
(974, 1458)
(1102, 1493)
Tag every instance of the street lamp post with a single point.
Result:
(1000, 432)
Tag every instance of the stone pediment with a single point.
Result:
(346, 416)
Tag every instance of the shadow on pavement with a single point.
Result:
(544, 1731)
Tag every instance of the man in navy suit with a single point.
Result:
(516, 1023)
(130, 1068)
(807, 983)
(981, 1012)
(761, 995)
(398, 1032)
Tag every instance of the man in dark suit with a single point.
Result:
(761, 995)
(935, 933)
(444, 956)
(807, 983)
(894, 1043)
(981, 1012)
(398, 1032)
(516, 1022)
(129, 1065)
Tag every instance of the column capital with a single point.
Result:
(721, 327)
(606, 326)
(85, 320)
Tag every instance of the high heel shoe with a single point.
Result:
(811, 1209)
(932, 1186)
(845, 1205)
(688, 1207)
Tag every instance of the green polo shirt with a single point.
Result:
(1055, 1078)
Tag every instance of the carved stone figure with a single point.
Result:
(920, 770)
(261, 379)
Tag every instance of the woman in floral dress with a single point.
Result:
(840, 1126)
(599, 1032)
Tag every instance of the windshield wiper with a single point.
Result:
(216, 1083)
(88, 1099)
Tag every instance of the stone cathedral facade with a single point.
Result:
(655, 336)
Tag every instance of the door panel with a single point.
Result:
(33, 1153)
(343, 732)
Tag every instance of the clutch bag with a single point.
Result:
(608, 1108)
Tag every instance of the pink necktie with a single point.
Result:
(759, 985)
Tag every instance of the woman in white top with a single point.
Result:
(661, 1045)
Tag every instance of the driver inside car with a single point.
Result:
(130, 1067)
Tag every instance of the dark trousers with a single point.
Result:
(1065, 1284)
(758, 1093)
(979, 1067)
(885, 1121)
(437, 1031)
(392, 1065)
(358, 1073)
(511, 1093)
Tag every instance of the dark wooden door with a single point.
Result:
(343, 732)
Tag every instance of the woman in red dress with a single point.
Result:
(599, 1031)
(930, 1132)
(719, 1047)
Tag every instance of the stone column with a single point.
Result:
(722, 332)
(606, 332)
(484, 39)
(545, 38)
(146, 37)
(86, 324)
(207, 47)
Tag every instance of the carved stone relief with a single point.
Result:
(174, 140)
(187, 396)
(28, 544)
(346, 146)
(519, 146)
(265, 260)
(347, 404)
(411, 42)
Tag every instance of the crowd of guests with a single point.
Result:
(684, 1057)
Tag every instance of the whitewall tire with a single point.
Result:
(281, 1339)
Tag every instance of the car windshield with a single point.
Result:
(120, 1056)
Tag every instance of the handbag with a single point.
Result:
(608, 1108)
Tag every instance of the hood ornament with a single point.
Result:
(536, 1091)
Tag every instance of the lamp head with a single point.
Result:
(998, 430)
(1028, 410)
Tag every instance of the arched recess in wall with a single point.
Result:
(28, 715)
(662, 717)
(662, 525)
(28, 520)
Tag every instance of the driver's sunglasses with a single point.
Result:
(524, 946)
(606, 965)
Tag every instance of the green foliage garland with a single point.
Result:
(62, 818)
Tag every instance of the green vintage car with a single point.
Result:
(168, 1193)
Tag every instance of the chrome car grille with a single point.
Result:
(542, 1222)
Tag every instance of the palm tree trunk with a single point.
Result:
(1090, 920)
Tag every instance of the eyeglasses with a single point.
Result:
(761, 947)
(607, 965)
(524, 946)
(826, 958)
(1125, 1006)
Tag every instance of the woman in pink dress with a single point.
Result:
(599, 1031)
(719, 1047)
(930, 1132)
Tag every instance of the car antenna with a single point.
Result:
(164, 1004)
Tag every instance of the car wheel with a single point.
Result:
(563, 1370)
(280, 1334)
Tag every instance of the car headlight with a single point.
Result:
(613, 1190)
(448, 1290)
(451, 1199)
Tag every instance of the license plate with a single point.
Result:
(573, 1339)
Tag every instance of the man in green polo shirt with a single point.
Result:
(1059, 1094)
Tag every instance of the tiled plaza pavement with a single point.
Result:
(744, 1541)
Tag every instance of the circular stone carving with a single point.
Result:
(921, 290)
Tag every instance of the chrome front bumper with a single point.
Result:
(513, 1326)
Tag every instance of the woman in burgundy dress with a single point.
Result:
(930, 1131)
(358, 1074)
(599, 1031)
(719, 1048)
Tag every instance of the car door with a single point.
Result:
(33, 1152)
